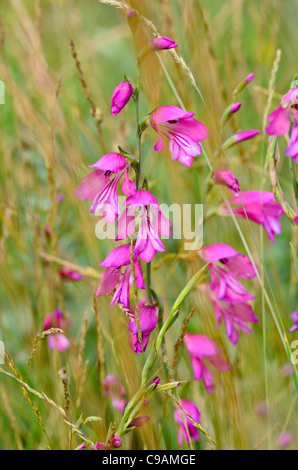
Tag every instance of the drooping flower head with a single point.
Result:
(226, 265)
(56, 319)
(226, 178)
(258, 206)
(148, 318)
(68, 274)
(112, 388)
(114, 274)
(101, 185)
(203, 349)
(190, 430)
(183, 131)
(144, 208)
(121, 96)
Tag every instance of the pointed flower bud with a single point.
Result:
(159, 44)
(138, 422)
(240, 137)
(233, 108)
(168, 386)
(121, 96)
(116, 442)
(243, 83)
(155, 381)
(133, 19)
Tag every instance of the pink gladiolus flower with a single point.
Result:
(158, 44)
(294, 317)
(58, 341)
(113, 389)
(148, 318)
(235, 315)
(151, 223)
(120, 258)
(279, 119)
(183, 131)
(260, 207)
(280, 122)
(226, 265)
(181, 417)
(121, 96)
(227, 178)
(67, 274)
(202, 349)
(296, 218)
(101, 185)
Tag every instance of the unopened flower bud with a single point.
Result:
(121, 95)
(243, 83)
(233, 108)
(133, 19)
(159, 44)
(117, 442)
(138, 422)
(240, 137)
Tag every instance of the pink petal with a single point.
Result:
(113, 162)
(91, 185)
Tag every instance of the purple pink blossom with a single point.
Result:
(183, 131)
(258, 206)
(148, 318)
(101, 185)
(68, 274)
(118, 272)
(294, 317)
(280, 122)
(203, 349)
(56, 319)
(144, 207)
(226, 178)
(186, 428)
(113, 389)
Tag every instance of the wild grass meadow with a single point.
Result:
(137, 339)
